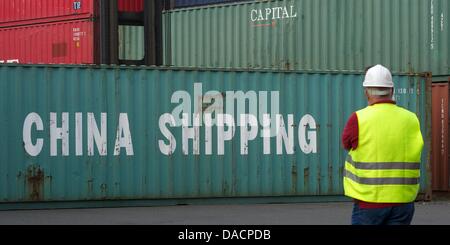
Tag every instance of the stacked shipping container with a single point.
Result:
(440, 167)
(68, 32)
(99, 134)
(66, 42)
(20, 12)
(279, 34)
(346, 35)
(44, 31)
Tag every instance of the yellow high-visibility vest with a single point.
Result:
(385, 167)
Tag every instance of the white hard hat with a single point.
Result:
(378, 76)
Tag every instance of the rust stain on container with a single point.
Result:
(90, 186)
(439, 157)
(35, 182)
(104, 190)
(294, 177)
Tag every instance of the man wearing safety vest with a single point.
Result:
(382, 169)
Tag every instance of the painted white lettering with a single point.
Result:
(167, 149)
(306, 147)
(262, 106)
(59, 134)
(78, 134)
(260, 15)
(123, 137)
(288, 138)
(253, 15)
(274, 109)
(94, 135)
(222, 135)
(208, 133)
(273, 13)
(32, 149)
(268, 13)
(293, 12)
(276, 13)
(248, 135)
(285, 13)
(266, 134)
(191, 133)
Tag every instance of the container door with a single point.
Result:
(439, 158)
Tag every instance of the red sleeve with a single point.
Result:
(350, 134)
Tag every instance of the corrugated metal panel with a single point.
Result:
(131, 42)
(440, 155)
(54, 43)
(191, 3)
(90, 108)
(440, 37)
(20, 12)
(131, 5)
(405, 35)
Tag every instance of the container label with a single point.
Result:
(221, 117)
(432, 44)
(77, 34)
(59, 135)
(210, 117)
(259, 16)
(77, 5)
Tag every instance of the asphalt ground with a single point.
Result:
(426, 213)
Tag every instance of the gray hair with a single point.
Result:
(378, 91)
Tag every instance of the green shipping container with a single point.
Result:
(96, 136)
(131, 42)
(319, 35)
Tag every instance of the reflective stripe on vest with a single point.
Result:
(385, 167)
(382, 181)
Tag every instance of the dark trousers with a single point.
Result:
(396, 215)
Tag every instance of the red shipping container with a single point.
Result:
(130, 5)
(439, 157)
(70, 42)
(25, 12)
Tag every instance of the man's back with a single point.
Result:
(387, 129)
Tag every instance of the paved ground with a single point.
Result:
(430, 213)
